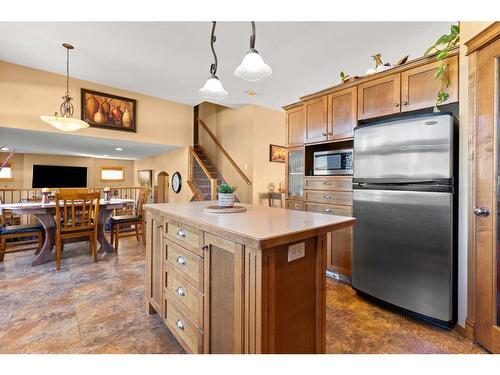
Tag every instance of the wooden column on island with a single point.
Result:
(251, 282)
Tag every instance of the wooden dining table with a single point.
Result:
(44, 213)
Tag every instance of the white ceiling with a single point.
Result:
(171, 59)
(38, 142)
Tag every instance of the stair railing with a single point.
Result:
(224, 152)
(194, 163)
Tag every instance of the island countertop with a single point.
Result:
(260, 226)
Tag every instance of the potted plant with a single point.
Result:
(226, 195)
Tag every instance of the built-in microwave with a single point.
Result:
(333, 162)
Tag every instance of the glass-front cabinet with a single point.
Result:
(295, 173)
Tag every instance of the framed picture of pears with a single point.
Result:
(108, 111)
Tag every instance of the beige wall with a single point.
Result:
(170, 162)
(27, 93)
(467, 31)
(23, 169)
(246, 134)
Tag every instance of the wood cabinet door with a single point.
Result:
(296, 126)
(339, 245)
(342, 113)
(419, 88)
(154, 261)
(317, 119)
(294, 179)
(224, 295)
(379, 97)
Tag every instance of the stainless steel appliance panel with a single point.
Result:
(403, 249)
(417, 148)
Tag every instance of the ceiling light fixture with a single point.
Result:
(213, 87)
(105, 156)
(253, 67)
(4, 149)
(65, 120)
(118, 149)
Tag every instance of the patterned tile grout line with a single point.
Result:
(76, 313)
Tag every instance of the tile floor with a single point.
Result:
(99, 308)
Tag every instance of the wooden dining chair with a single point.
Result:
(76, 217)
(136, 219)
(15, 238)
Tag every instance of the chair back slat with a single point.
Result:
(140, 200)
(76, 211)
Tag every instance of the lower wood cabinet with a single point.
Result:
(154, 281)
(230, 297)
(333, 196)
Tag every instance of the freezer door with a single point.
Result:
(403, 249)
(419, 148)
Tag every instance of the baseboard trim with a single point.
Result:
(469, 330)
(459, 329)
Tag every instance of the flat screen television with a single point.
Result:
(58, 176)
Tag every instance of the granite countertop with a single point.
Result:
(261, 224)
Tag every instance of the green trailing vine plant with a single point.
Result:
(442, 48)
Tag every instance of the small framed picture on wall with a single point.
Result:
(277, 154)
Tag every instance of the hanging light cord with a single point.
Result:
(67, 71)
(252, 37)
(66, 109)
(213, 67)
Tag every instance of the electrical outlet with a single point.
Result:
(296, 251)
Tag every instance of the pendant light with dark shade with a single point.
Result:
(213, 87)
(65, 121)
(253, 67)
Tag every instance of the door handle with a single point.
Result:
(481, 211)
(180, 291)
(181, 260)
(181, 233)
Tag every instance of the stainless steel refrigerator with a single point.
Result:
(405, 192)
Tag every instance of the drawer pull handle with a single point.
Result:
(327, 210)
(327, 183)
(180, 291)
(181, 233)
(327, 196)
(181, 260)
(204, 247)
(296, 205)
(180, 324)
(159, 226)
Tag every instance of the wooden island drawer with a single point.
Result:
(185, 235)
(296, 205)
(330, 197)
(185, 263)
(184, 295)
(340, 183)
(183, 328)
(330, 209)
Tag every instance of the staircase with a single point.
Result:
(204, 178)
(204, 173)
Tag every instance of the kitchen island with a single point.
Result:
(251, 282)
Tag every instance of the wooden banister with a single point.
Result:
(212, 179)
(222, 149)
(200, 163)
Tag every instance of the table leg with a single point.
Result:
(49, 225)
(101, 233)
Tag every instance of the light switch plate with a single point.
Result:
(296, 251)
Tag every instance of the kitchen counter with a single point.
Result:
(260, 226)
(251, 282)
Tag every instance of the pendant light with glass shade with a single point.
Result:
(65, 121)
(213, 87)
(253, 67)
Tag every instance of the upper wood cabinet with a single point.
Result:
(316, 119)
(419, 88)
(342, 113)
(296, 126)
(379, 97)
